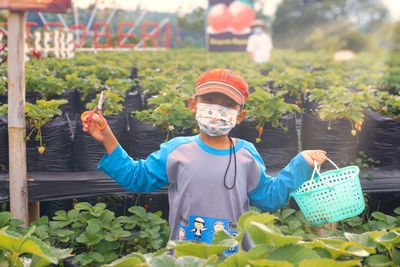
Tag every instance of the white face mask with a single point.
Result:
(215, 120)
(257, 30)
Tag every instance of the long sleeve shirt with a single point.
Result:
(199, 201)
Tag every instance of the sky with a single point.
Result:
(184, 6)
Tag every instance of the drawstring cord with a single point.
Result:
(231, 147)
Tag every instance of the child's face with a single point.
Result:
(217, 99)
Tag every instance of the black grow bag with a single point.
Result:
(73, 105)
(277, 148)
(380, 139)
(143, 138)
(3, 144)
(57, 138)
(133, 100)
(88, 151)
(3, 99)
(338, 142)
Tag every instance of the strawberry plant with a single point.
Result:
(20, 250)
(339, 102)
(170, 113)
(388, 104)
(3, 110)
(149, 230)
(112, 104)
(39, 114)
(391, 81)
(265, 107)
(86, 85)
(43, 81)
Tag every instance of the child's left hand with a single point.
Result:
(311, 155)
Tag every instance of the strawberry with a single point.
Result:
(260, 131)
(41, 150)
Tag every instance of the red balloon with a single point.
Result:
(219, 18)
(242, 16)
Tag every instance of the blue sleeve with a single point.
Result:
(272, 193)
(138, 175)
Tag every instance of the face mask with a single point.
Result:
(215, 120)
(258, 30)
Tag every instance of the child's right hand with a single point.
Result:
(90, 126)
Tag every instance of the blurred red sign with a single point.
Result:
(56, 6)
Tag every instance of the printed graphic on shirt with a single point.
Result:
(203, 229)
(198, 229)
(181, 234)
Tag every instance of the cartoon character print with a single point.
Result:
(233, 249)
(181, 234)
(198, 228)
(218, 226)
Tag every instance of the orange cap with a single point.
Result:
(225, 82)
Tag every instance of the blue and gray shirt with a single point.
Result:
(199, 202)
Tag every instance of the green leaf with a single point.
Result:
(163, 261)
(286, 213)
(83, 206)
(363, 239)
(328, 263)
(397, 211)
(134, 259)
(189, 261)
(270, 263)
(293, 254)
(239, 259)
(26, 244)
(262, 234)
(379, 260)
(139, 211)
(5, 218)
(339, 248)
(388, 240)
(245, 221)
(200, 250)
(379, 216)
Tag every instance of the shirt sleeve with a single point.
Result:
(137, 175)
(272, 193)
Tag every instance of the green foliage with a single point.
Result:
(339, 102)
(391, 81)
(363, 161)
(3, 110)
(95, 234)
(273, 248)
(170, 112)
(3, 80)
(265, 107)
(149, 230)
(15, 247)
(41, 113)
(112, 104)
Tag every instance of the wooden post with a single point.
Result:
(16, 116)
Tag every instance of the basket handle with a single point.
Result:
(317, 170)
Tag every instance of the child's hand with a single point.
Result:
(311, 155)
(105, 136)
(91, 127)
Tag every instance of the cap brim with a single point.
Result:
(223, 90)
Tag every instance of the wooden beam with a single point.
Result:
(16, 116)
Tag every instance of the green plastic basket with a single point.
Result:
(332, 196)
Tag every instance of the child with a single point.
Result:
(212, 177)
